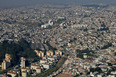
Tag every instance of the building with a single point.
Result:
(38, 70)
(7, 62)
(50, 23)
(51, 58)
(44, 57)
(7, 57)
(56, 57)
(39, 53)
(22, 62)
(52, 62)
(4, 65)
(23, 69)
(49, 53)
(43, 61)
(34, 66)
(46, 65)
(27, 69)
(24, 74)
(79, 26)
(57, 52)
(12, 73)
(69, 44)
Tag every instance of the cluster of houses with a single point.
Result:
(47, 60)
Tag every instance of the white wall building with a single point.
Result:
(22, 62)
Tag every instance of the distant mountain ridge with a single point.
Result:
(18, 3)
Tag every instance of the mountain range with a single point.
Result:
(18, 3)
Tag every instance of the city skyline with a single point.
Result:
(57, 38)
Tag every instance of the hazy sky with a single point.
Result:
(17, 3)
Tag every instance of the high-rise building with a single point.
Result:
(4, 65)
(49, 53)
(57, 52)
(39, 53)
(22, 62)
(7, 57)
(7, 62)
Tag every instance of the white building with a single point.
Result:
(50, 23)
(79, 25)
(34, 66)
(51, 58)
(22, 62)
(46, 65)
(43, 61)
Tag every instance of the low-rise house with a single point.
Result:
(34, 66)
(24, 73)
(12, 73)
(43, 61)
(46, 65)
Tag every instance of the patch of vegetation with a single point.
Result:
(50, 47)
(96, 70)
(4, 71)
(87, 52)
(16, 50)
(113, 69)
(107, 46)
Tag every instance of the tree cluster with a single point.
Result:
(16, 50)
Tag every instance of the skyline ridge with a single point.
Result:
(20, 3)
